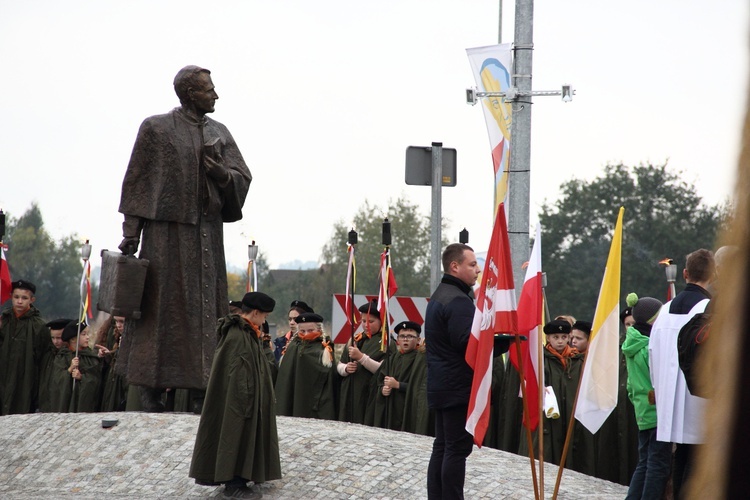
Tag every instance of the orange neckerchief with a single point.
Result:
(255, 328)
(568, 352)
(308, 336)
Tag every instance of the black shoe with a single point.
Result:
(242, 492)
(151, 400)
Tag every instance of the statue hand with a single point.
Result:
(216, 170)
(129, 245)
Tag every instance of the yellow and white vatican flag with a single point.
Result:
(597, 395)
(491, 66)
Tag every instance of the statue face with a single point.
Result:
(203, 94)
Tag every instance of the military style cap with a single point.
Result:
(23, 285)
(584, 326)
(71, 330)
(370, 308)
(258, 301)
(309, 318)
(58, 324)
(236, 303)
(409, 325)
(557, 326)
(301, 305)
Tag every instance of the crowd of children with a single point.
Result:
(58, 367)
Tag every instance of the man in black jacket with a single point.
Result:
(448, 320)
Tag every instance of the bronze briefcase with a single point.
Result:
(121, 284)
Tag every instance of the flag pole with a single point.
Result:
(2, 235)
(540, 428)
(540, 377)
(85, 254)
(252, 275)
(352, 316)
(569, 432)
(525, 404)
(385, 283)
(385, 327)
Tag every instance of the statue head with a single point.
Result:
(194, 88)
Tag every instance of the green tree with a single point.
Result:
(54, 267)
(409, 250)
(664, 217)
(410, 260)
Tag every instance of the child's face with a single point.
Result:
(258, 317)
(579, 340)
(293, 320)
(307, 328)
(83, 339)
(371, 323)
(56, 336)
(22, 300)
(407, 340)
(558, 341)
(119, 324)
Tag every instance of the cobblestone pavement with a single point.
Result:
(148, 456)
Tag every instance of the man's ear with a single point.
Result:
(33, 298)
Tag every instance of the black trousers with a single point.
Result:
(447, 469)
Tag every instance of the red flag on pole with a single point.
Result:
(495, 313)
(5, 281)
(387, 289)
(530, 310)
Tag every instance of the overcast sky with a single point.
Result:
(323, 98)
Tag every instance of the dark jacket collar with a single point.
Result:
(452, 280)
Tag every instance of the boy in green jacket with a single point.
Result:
(651, 474)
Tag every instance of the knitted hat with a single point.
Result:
(645, 309)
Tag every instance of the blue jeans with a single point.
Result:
(447, 467)
(652, 472)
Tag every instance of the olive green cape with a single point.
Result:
(23, 342)
(86, 397)
(388, 412)
(357, 388)
(304, 385)
(237, 431)
(418, 417)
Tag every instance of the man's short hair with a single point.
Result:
(700, 265)
(454, 253)
(187, 78)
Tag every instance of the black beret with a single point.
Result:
(370, 308)
(557, 326)
(409, 325)
(258, 301)
(58, 324)
(584, 326)
(71, 330)
(23, 285)
(309, 318)
(299, 304)
(236, 303)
